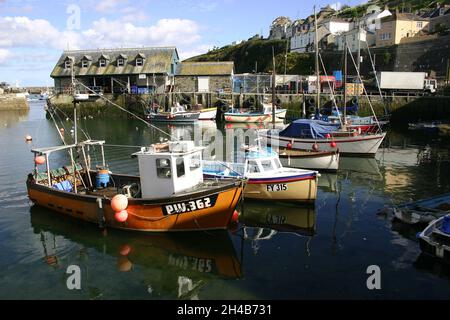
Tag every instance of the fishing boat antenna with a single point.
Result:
(316, 42)
(274, 78)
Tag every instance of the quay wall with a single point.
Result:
(13, 102)
(401, 108)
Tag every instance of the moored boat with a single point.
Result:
(303, 134)
(267, 178)
(237, 116)
(170, 194)
(309, 159)
(423, 211)
(435, 239)
(207, 114)
(178, 113)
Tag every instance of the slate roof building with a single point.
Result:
(138, 70)
(203, 77)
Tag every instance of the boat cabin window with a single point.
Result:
(195, 162)
(181, 171)
(253, 167)
(163, 168)
(267, 165)
(277, 163)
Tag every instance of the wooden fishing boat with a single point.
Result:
(267, 179)
(170, 194)
(236, 116)
(423, 211)
(435, 239)
(303, 134)
(309, 159)
(178, 113)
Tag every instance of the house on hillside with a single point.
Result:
(439, 17)
(138, 70)
(399, 26)
(278, 29)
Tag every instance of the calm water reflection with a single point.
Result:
(279, 251)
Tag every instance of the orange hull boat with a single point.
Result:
(179, 213)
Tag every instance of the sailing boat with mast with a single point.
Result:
(325, 136)
(169, 194)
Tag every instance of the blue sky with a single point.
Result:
(33, 33)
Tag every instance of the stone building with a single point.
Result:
(279, 27)
(203, 77)
(440, 17)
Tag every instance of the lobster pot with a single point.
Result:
(103, 178)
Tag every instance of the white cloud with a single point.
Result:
(201, 49)
(4, 55)
(107, 6)
(103, 33)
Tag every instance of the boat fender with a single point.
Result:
(333, 145)
(289, 145)
(119, 203)
(315, 147)
(39, 160)
(121, 216)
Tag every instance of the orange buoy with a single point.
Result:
(315, 147)
(121, 216)
(39, 160)
(119, 203)
(28, 138)
(125, 250)
(333, 145)
(123, 264)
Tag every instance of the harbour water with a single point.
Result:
(278, 251)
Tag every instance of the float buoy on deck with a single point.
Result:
(121, 216)
(289, 146)
(333, 145)
(39, 160)
(119, 203)
(315, 147)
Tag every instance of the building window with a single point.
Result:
(181, 172)
(139, 62)
(420, 24)
(163, 169)
(68, 64)
(385, 36)
(84, 64)
(120, 62)
(102, 63)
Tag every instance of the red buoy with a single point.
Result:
(125, 250)
(328, 136)
(235, 216)
(121, 216)
(315, 147)
(119, 203)
(289, 146)
(333, 145)
(39, 160)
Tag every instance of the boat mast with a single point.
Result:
(274, 78)
(316, 41)
(75, 124)
(345, 83)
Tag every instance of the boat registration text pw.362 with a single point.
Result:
(190, 206)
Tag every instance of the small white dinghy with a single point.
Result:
(435, 239)
(309, 159)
